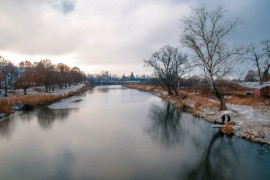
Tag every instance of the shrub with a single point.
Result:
(5, 106)
(227, 129)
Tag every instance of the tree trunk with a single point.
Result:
(169, 90)
(258, 70)
(222, 105)
(6, 87)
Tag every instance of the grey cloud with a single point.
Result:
(119, 32)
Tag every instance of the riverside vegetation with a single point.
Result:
(9, 104)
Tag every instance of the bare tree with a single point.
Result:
(8, 73)
(251, 76)
(76, 75)
(259, 53)
(254, 54)
(266, 47)
(266, 50)
(25, 81)
(42, 74)
(169, 65)
(64, 71)
(205, 33)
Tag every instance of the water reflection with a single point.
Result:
(46, 116)
(111, 142)
(64, 165)
(6, 126)
(219, 161)
(105, 89)
(216, 156)
(165, 124)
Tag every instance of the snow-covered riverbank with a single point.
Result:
(41, 90)
(251, 122)
(36, 96)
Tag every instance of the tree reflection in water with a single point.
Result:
(165, 126)
(216, 156)
(220, 160)
(46, 116)
(6, 126)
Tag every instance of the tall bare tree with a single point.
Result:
(266, 50)
(169, 65)
(259, 54)
(8, 72)
(205, 33)
(64, 71)
(255, 55)
(266, 47)
(25, 80)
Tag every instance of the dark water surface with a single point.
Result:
(116, 133)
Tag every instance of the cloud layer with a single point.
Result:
(112, 34)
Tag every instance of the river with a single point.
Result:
(112, 132)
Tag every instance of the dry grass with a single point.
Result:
(197, 109)
(227, 129)
(5, 106)
(204, 102)
(33, 100)
(243, 101)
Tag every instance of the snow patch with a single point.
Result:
(227, 112)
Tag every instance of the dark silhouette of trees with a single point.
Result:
(169, 65)
(251, 76)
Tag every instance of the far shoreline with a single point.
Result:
(29, 101)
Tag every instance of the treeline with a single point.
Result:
(42, 73)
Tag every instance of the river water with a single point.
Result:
(115, 133)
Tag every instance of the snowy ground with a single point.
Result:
(41, 90)
(252, 123)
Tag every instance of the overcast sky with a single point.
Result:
(114, 35)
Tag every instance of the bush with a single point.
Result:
(227, 129)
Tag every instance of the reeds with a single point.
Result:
(243, 101)
(5, 106)
(203, 102)
(227, 129)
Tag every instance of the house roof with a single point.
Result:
(267, 84)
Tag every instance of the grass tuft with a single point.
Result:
(227, 129)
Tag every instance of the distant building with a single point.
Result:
(132, 77)
(262, 90)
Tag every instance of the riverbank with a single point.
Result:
(250, 117)
(37, 96)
